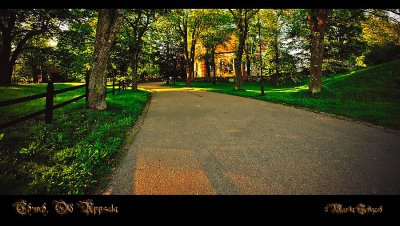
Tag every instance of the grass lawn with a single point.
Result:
(371, 94)
(70, 156)
(18, 91)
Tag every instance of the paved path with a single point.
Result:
(198, 142)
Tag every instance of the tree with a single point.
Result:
(167, 43)
(17, 27)
(241, 18)
(343, 40)
(37, 57)
(317, 18)
(75, 44)
(217, 33)
(108, 24)
(137, 22)
(189, 24)
(381, 35)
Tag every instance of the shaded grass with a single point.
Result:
(371, 94)
(71, 155)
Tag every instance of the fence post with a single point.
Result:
(49, 102)
(113, 86)
(119, 86)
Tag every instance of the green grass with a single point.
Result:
(18, 91)
(70, 156)
(371, 94)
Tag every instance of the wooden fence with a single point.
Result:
(50, 107)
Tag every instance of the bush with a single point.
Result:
(381, 54)
(74, 154)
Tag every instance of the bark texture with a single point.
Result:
(317, 18)
(107, 28)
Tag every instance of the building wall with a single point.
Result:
(224, 60)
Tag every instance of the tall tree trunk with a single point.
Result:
(134, 76)
(5, 64)
(207, 61)
(191, 71)
(188, 74)
(213, 66)
(108, 24)
(5, 72)
(35, 75)
(317, 19)
(208, 68)
(238, 63)
(191, 59)
(248, 64)
(186, 56)
(134, 67)
(276, 59)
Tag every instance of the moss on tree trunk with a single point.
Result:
(107, 28)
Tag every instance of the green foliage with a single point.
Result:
(343, 41)
(380, 54)
(72, 155)
(167, 49)
(382, 38)
(129, 51)
(284, 35)
(75, 45)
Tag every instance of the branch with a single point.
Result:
(252, 13)
(235, 17)
(136, 22)
(22, 42)
(28, 36)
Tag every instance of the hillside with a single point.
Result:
(371, 94)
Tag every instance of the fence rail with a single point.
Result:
(22, 99)
(50, 107)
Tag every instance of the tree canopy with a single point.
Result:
(275, 43)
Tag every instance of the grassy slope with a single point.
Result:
(71, 155)
(371, 94)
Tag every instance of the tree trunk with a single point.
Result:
(238, 72)
(238, 63)
(35, 75)
(134, 67)
(187, 58)
(167, 83)
(5, 72)
(5, 64)
(276, 59)
(213, 66)
(191, 61)
(208, 65)
(317, 19)
(134, 75)
(108, 24)
(188, 74)
(248, 64)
